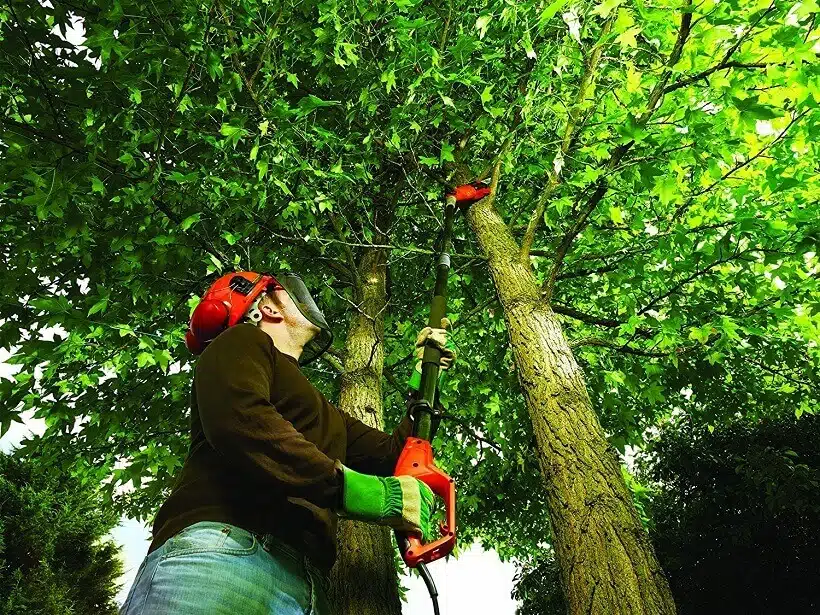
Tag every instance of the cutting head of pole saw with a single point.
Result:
(467, 194)
(234, 297)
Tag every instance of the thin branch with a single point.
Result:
(705, 73)
(263, 58)
(477, 309)
(236, 63)
(35, 67)
(690, 278)
(42, 135)
(682, 209)
(464, 425)
(596, 341)
(776, 372)
(160, 205)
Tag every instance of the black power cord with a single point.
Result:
(431, 587)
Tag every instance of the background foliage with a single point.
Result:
(52, 557)
(733, 517)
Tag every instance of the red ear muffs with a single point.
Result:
(192, 343)
(209, 319)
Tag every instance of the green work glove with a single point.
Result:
(401, 502)
(440, 338)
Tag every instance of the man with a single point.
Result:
(249, 527)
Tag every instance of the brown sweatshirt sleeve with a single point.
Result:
(233, 382)
(372, 451)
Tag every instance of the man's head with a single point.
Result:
(284, 322)
(281, 306)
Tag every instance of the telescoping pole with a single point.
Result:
(417, 457)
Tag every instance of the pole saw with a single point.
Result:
(416, 458)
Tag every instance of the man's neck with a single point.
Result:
(283, 341)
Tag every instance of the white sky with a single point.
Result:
(477, 582)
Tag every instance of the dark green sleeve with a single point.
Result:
(233, 383)
(372, 451)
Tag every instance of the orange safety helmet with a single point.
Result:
(234, 297)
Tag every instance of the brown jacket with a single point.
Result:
(264, 442)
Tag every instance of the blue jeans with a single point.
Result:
(219, 569)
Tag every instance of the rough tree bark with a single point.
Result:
(608, 566)
(364, 580)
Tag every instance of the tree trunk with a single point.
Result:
(364, 581)
(608, 565)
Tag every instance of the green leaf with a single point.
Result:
(481, 24)
(388, 78)
(486, 94)
(127, 159)
(606, 7)
(310, 103)
(190, 221)
(185, 104)
(616, 215)
(627, 38)
(550, 12)
(667, 189)
(180, 178)
(97, 185)
(233, 134)
(100, 306)
(214, 65)
(754, 110)
(262, 167)
(446, 153)
(701, 334)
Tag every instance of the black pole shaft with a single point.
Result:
(422, 420)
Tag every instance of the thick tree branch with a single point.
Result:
(589, 319)
(588, 77)
(655, 100)
(348, 252)
(336, 359)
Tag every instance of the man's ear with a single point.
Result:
(270, 311)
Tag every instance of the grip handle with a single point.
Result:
(416, 460)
